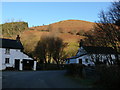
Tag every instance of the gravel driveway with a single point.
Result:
(38, 79)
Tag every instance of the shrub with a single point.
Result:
(50, 67)
(80, 32)
(75, 70)
(109, 76)
(70, 32)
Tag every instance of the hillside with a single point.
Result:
(71, 31)
(13, 28)
(66, 26)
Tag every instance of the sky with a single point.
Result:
(39, 13)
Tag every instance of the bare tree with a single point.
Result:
(107, 29)
(101, 59)
(50, 47)
(58, 49)
(41, 50)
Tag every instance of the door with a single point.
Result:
(17, 63)
(80, 61)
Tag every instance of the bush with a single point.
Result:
(70, 32)
(80, 32)
(75, 70)
(50, 67)
(109, 76)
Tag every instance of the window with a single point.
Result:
(7, 51)
(7, 60)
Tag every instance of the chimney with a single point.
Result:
(81, 43)
(18, 38)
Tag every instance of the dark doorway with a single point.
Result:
(80, 61)
(17, 63)
(28, 64)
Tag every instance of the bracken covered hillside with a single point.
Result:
(71, 31)
(66, 26)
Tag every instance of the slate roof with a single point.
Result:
(74, 57)
(99, 50)
(9, 43)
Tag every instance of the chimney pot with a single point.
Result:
(18, 38)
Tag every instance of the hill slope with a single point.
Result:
(71, 31)
(73, 26)
(67, 30)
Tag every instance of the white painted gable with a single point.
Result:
(81, 51)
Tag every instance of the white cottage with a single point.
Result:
(13, 56)
(90, 55)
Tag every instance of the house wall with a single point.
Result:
(85, 60)
(73, 61)
(14, 54)
(90, 60)
(81, 51)
(91, 57)
(103, 57)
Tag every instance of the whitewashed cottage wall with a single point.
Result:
(14, 54)
(83, 55)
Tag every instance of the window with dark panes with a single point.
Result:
(7, 51)
(7, 60)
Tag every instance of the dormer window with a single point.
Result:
(7, 51)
